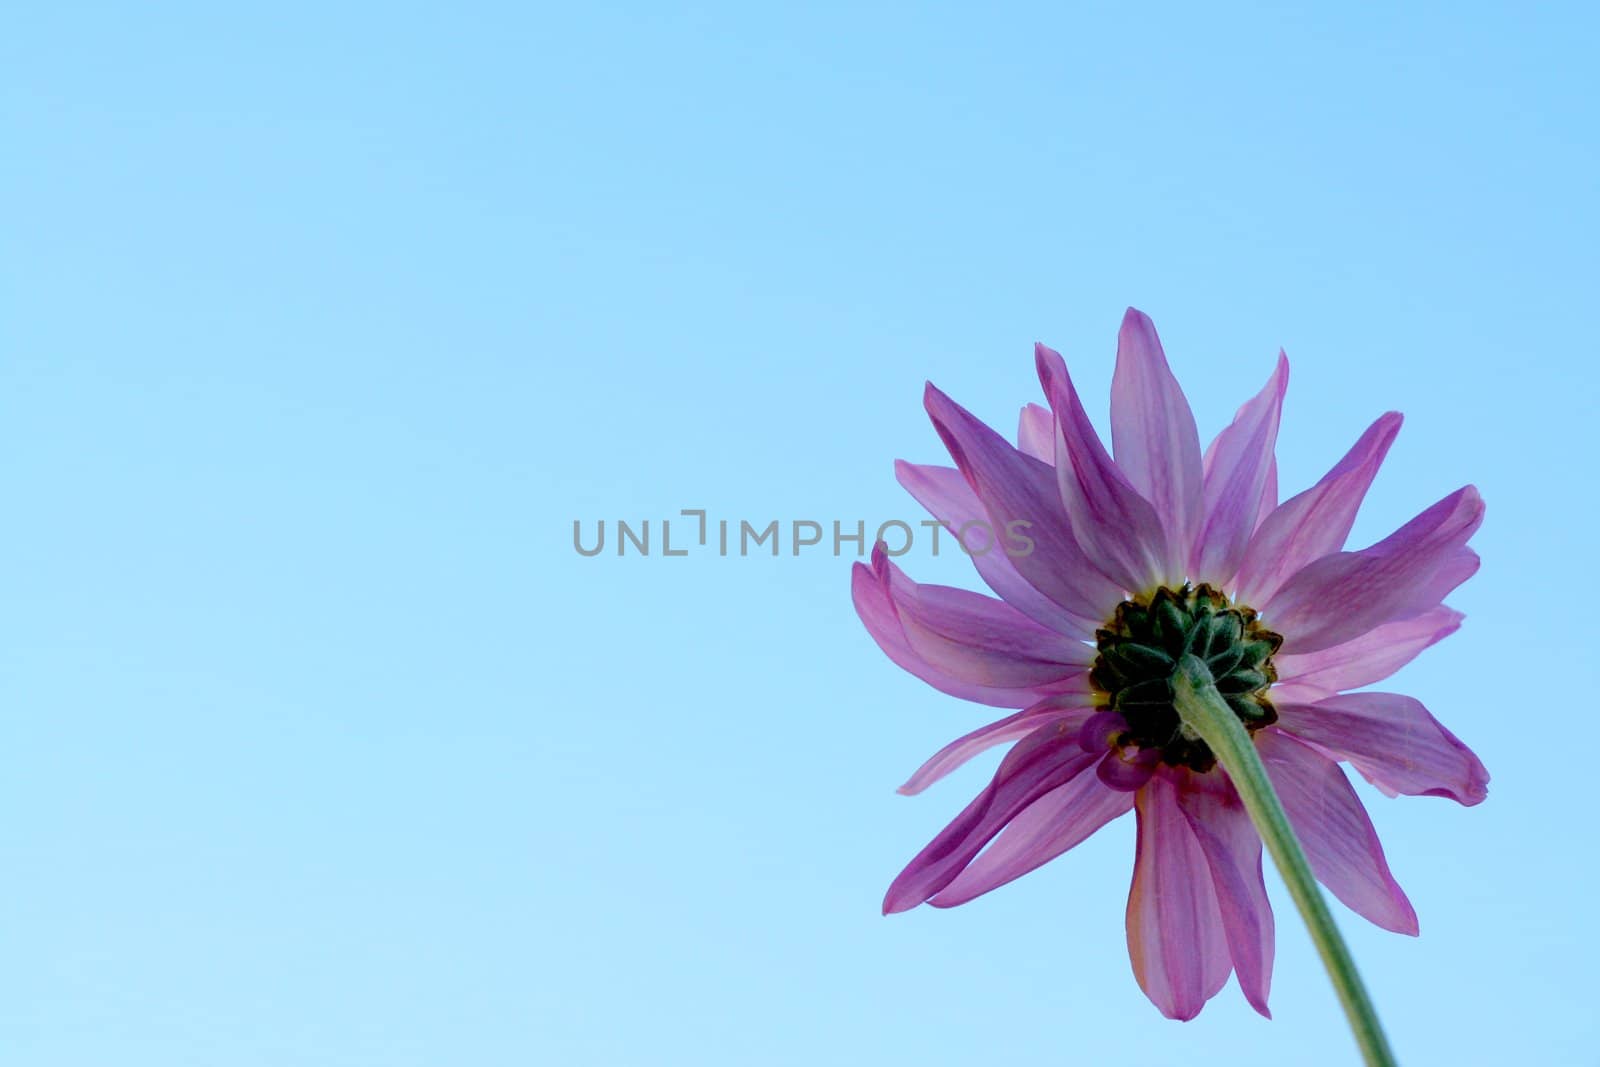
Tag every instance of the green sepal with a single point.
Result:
(1254, 653)
(1134, 660)
(1241, 682)
(1223, 631)
(1171, 627)
(1153, 692)
(1250, 709)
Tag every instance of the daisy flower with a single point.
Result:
(1110, 573)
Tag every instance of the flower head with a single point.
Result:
(1111, 569)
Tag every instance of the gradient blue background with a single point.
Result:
(321, 326)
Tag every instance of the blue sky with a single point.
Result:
(320, 328)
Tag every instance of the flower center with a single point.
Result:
(1139, 651)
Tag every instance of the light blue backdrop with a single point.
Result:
(320, 743)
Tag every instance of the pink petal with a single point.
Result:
(1036, 433)
(1069, 709)
(1233, 851)
(1127, 774)
(1043, 761)
(1393, 741)
(1054, 823)
(1153, 434)
(877, 611)
(1238, 466)
(1342, 596)
(1100, 731)
(1269, 495)
(1333, 827)
(1175, 938)
(1372, 657)
(1316, 522)
(978, 638)
(1427, 594)
(1016, 488)
(1269, 487)
(1116, 526)
(947, 496)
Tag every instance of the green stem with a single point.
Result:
(1205, 712)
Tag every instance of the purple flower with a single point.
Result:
(1108, 570)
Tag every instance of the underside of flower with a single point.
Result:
(1139, 651)
(1087, 671)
